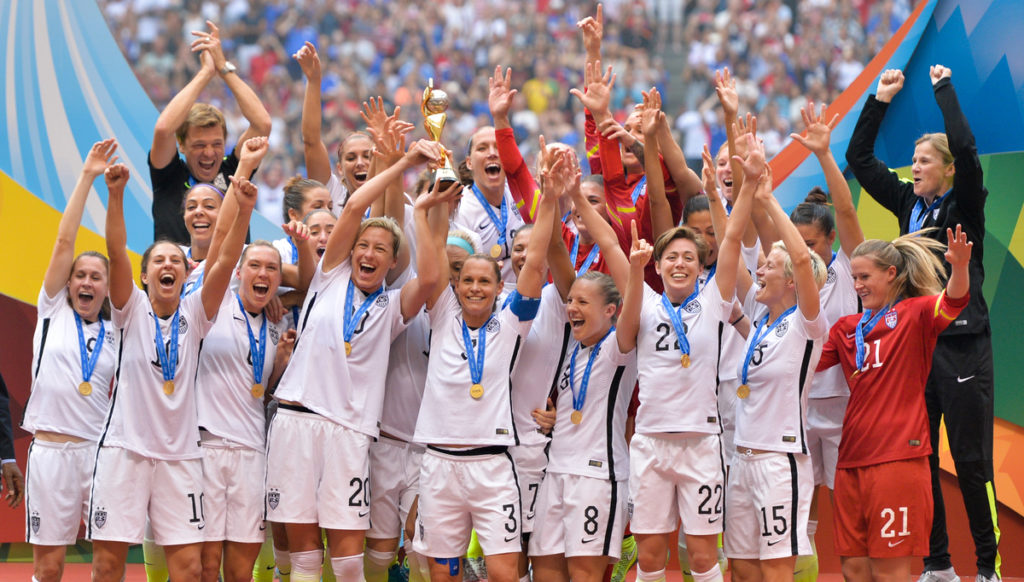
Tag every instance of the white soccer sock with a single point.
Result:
(348, 568)
(375, 565)
(306, 565)
(712, 575)
(642, 576)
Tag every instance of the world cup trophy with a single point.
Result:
(434, 104)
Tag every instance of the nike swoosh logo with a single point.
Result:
(587, 541)
(713, 519)
(851, 335)
(894, 544)
(201, 526)
(363, 513)
(775, 542)
(509, 539)
(962, 380)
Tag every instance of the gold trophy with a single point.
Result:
(434, 104)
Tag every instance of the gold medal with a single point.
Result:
(685, 360)
(576, 417)
(477, 391)
(743, 391)
(85, 388)
(168, 387)
(496, 251)
(348, 348)
(257, 390)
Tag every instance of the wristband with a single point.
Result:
(737, 320)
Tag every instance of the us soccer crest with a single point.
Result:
(34, 521)
(493, 326)
(273, 498)
(100, 518)
(692, 307)
(782, 329)
(382, 301)
(890, 319)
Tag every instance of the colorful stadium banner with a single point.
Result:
(65, 85)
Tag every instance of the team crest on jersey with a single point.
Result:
(782, 329)
(182, 325)
(692, 307)
(273, 498)
(831, 276)
(100, 518)
(382, 300)
(493, 326)
(34, 521)
(275, 334)
(890, 319)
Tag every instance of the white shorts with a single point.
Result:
(579, 516)
(57, 480)
(824, 428)
(232, 491)
(673, 479)
(395, 482)
(767, 506)
(727, 402)
(531, 462)
(463, 492)
(128, 487)
(318, 471)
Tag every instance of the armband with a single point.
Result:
(525, 308)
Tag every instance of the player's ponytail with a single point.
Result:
(919, 271)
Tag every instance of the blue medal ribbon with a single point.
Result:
(758, 336)
(639, 189)
(919, 213)
(88, 362)
(864, 326)
(168, 361)
(594, 250)
(675, 315)
(258, 351)
(295, 251)
(476, 357)
(579, 398)
(353, 317)
(190, 288)
(502, 224)
(711, 273)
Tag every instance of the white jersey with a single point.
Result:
(472, 217)
(227, 406)
(346, 389)
(781, 367)
(55, 403)
(286, 247)
(338, 193)
(541, 355)
(449, 415)
(143, 419)
(675, 399)
(838, 299)
(583, 449)
(407, 375)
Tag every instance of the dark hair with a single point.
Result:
(489, 259)
(699, 203)
(149, 251)
(684, 232)
(465, 174)
(350, 137)
(522, 229)
(594, 179)
(184, 199)
(314, 212)
(105, 308)
(295, 190)
(814, 210)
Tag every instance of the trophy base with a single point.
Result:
(446, 176)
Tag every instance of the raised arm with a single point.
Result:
(318, 161)
(661, 212)
(725, 88)
(592, 28)
(958, 255)
(968, 183)
(249, 103)
(628, 324)
(339, 245)
(165, 144)
(231, 228)
(605, 238)
(554, 180)
(729, 265)
(874, 176)
(817, 141)
(306, 259)
(428, 269)
(99, 158)
(117, 238)
(251, 153)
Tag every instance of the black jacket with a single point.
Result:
(965, 204)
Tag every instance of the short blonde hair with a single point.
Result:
(818, 265)
(388, 224)
(201, 115)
